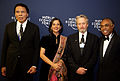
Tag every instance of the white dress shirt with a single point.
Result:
(106, 43)
(80, 36)
(18, 27)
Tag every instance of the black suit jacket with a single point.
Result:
(109, 65)
(75, 59)
(27, 49)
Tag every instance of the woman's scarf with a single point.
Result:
(60, 75)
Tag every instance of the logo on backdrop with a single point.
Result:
(71, 22)
(96, 24)
(45, 20)
(14, 19)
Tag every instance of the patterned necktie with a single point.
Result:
(21, 31)
(82, 45)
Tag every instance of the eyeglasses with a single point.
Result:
(106, 25)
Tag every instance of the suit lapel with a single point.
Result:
(88, 42)
(101, 48)
(15, 31)
(27, 30)
(77, 39)
(76, 42)
(110, 46)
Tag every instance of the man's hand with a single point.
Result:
(3, 71)
(81, 71)
(32, 70)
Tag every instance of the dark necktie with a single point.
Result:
(82, 39)
(82, 42)
(21, 31)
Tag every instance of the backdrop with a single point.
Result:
(42, 11)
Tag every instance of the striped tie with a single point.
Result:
(21, 31)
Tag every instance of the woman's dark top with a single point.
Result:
(49, 43)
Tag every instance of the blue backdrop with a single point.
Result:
(42, 11)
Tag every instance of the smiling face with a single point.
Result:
(21, 14)
(56, 26)
(107, 27)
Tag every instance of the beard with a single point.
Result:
(82, 30)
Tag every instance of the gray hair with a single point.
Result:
(82, 16)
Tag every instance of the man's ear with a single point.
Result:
(112, 25)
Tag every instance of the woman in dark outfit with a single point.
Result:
(49, 47)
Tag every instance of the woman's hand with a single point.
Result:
(57, 66)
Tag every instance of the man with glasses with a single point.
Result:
(109, 62)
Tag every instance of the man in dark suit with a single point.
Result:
(109, 65)
(20, 51)
(81, 52)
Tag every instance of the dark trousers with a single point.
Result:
(20, 74)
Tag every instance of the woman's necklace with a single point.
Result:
(56, 40)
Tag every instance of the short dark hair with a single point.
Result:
(60, 31)
(23, 5)
(109, 19)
